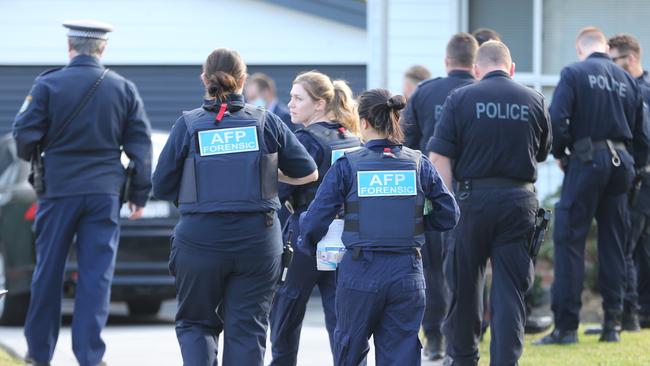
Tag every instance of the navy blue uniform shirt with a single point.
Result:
(602, 101)
(338, 182)
(85, 158)
(281, 110)
(643, 200)
(223, 232)
(495, 128)
(423, 109)
(644, 83)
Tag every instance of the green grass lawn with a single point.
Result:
(6, 360)
(633, 350)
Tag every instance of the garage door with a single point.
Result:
(166, 90)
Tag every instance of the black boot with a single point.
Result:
(611, 326)
(558, 337)
(538, 324)
(31, 361)
(644, 320)
(631, 322)
(435, 349)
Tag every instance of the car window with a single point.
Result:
(158, 140)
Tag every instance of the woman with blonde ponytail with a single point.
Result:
(330, 124)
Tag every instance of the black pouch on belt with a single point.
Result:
(542, 220)
(584, 150)
(287, 258)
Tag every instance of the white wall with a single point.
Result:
(402, 33)
(179, 32)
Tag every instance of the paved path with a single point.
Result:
(152, 341)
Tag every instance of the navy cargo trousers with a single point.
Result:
(496, 224)
(591, 189)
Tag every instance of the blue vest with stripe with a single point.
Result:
(229, 167)
(385, 207)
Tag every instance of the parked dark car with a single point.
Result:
(142, 278)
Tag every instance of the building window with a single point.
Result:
(513, 20)
(563, 19)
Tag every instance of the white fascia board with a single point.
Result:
(178, 32)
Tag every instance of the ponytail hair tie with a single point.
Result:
(396, 102)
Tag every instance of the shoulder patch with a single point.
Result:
(25, 105)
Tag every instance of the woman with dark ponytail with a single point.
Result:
(327, 114)
(389, 193)
(221, 166)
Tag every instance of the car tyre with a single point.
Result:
(144, 307)
(13, 307)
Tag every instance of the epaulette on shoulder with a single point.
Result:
(251, 109)
(424, 82)
(539, 93)
(49, 71)
(355, 152)
(193, 112)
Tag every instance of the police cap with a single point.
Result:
(88, 29)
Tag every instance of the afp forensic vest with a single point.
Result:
(334, 143)
(228, 167)
(385, 206)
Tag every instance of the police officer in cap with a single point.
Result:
(495, 132)
(600, 137)
(221, 165)
(625, 51)
(380, 284)
(80, 118)
(419, 120)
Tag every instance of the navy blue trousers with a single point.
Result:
(216, 293)
(290, 304)
(642, 261)
(637, 296)
(379, 294)
(93, 219)
(495, 224)
(437, 292)
(596, 189)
